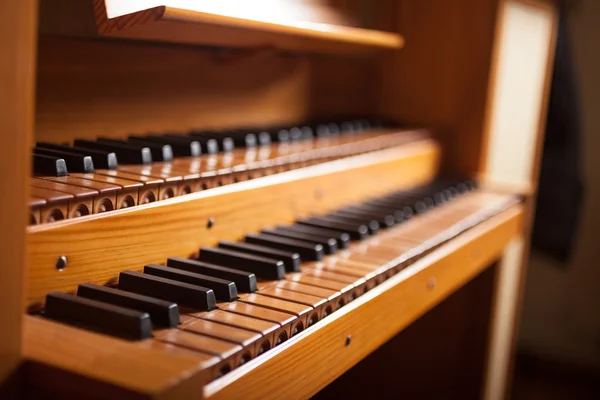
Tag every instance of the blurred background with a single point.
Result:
(559, 339)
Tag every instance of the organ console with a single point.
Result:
(260, 199)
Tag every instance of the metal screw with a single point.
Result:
(210, 223)
(348, 340)
(61, 263)
(431, 282)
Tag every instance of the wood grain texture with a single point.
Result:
(441, 355)
(149, 368)
(17, 74)
(88, 89)
(440, 79)
(99, 247)
(396, 303)
(224, 25)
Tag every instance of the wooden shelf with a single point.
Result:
(198, 26)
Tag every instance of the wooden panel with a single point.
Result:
(441, 78)
(98, 247)
(89, 89)
(396, 303)
(238, 24)
(446, 348)
(515, 124)
(17, 73)
(520, 88)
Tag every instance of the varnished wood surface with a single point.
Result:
(370, 321)
(17, 77)
(441, 355)
(145, 367)
(98, 247)
(441, 77)
(85, 89)
(524, 27)
(223, 26)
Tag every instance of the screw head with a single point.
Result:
(431, 282)
(61, 263)
(348, 340)
(210, 223)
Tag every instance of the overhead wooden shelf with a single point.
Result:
(198, 26)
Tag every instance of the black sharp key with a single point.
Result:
(126, 154)
(264, 139)
(243, 139)
(98, 316)
(342, 238)
(295, 134)
(262, 267)
(462, 187)
(356, 231)
(454, 192)
(347, 127)
(49, 166)
(322, 131)
(472, 184)
(372, 224)
(244, 281)
(291, 260)
(307, 132)
(418, 206)
(384, 220)
(412, 200)
(162, 313)
(224, 290)
(329, 244)
(281, 136)
(179, 148)
(207, 146)
(75, 162)
(396, 214)
(308, 251)
(224, 142)
(184, 294)
(159, 151)
(440, 198)
(101, 159)
(334, 129)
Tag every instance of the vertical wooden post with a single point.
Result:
(514, 131)
(18, 36)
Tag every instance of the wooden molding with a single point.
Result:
(17, 75)
(217, 25)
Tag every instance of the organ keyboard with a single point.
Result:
(236, 301)
(233, 199)
(132, 178)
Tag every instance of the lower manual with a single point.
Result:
(237, 300)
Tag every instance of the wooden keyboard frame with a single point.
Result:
(98, 246)
(347, 336)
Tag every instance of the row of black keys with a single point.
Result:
(51, 159)
(151, 298)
